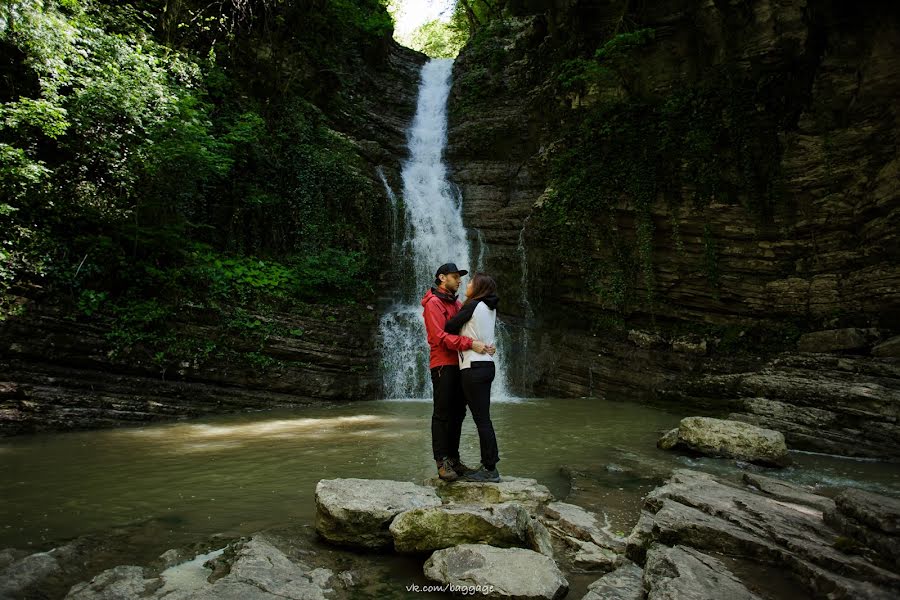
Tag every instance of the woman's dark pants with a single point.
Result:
(476, 384)
(449, 411)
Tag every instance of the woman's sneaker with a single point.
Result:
(446, 470)
(483, 475)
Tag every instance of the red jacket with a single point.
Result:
(440, 307)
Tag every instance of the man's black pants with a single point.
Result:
(449, 411)
(476, 383)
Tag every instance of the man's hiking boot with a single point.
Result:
(446, 471)
(483, 475)
(461, 469)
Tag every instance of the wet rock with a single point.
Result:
(117, 583)
(512, 572)
(358, 512)
(668, 440)
(639, 539)
(710, 514)
(571, 520)
(871, 521)
(837, 340)
(256, 570)
(888, 349)
(683, 573)
(782, 490)
(428, 529)
(590, 556)
(733, 439)
(874, 510)
(22, 571)
(538, 537)
(625, 583)
(523, 490)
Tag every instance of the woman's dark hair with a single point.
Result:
(483, 285)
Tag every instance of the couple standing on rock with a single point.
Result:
(461, 339)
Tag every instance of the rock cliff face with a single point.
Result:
(58, 370)
(815, 247)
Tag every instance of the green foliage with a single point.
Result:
(141, 157)
(437, 39)
(623, 44)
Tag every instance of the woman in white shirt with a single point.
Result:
(477, 319)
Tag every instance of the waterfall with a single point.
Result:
(433, 235)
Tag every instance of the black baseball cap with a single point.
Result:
(449, 268)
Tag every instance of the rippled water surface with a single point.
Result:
(241, 473)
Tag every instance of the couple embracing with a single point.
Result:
(461, 339)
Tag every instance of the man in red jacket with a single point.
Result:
(440, 305)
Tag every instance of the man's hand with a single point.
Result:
(481, 348)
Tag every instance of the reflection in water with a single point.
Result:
(238, 474)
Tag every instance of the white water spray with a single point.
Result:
(434, 234)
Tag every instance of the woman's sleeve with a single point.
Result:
(455, 324)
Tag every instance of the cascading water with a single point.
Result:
(434, 234)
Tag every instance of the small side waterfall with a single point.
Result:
(433, 234)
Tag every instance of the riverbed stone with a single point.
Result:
(733, 439)
(590, 556)
(714, 515)
(433, 528)
(683, 573)
(625, 583)
(538, 537)
(571, 520)
(20, 573)
(358, 512)
(513, 572)
(523, 490)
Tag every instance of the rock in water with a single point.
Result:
(513, 572)
(358, 512)
(523, 490)
(733, 439)
(682, 573)
(625, 583)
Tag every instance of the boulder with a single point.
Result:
(113, 584)
(510, 572)
(683, 573)
(358, 512)
(20, 573)
(733, 439)
(433, 528)
(625, 583)
(527, 492)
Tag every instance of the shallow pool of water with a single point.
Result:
(241, 473)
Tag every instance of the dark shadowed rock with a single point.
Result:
(683, 573)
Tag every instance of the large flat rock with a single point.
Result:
(511, 572)
(523, 490)
(358, 512)
(683, 573)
